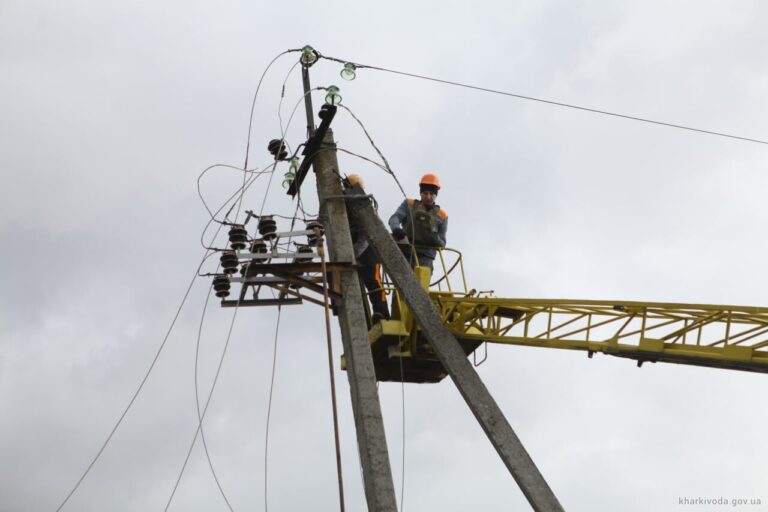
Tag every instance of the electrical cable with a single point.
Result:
(375, 147)
(253, 108)
(240, 192)
(280, 103)
(269, 409)
(138, 390)
(205, 410)
(369, 160)
(197, 401)
(214, 166)
(413, 252)
(282, 136)
(300, 204)
(213, 386)
(208, 224)
(550, 102)
(173, 323)
(199, 431)
(326, 304)
(279, 315)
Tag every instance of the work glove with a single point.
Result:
(398, 233)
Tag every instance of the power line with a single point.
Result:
(205, 410)
(269, 409)
(197, 401)
(384, 160)
(253, 103)
(138, 390)
(241, 189)
(252, 172)
(240, 192)
(551, 102)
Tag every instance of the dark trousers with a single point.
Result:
(370, 273)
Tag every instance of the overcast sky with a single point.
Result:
(112, 109)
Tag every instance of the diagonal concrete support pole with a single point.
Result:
(448, 350)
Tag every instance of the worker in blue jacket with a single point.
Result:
(422, 222)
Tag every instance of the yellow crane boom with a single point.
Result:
(733, 337)
(729, 337)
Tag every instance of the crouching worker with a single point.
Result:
(369, 267)
(422, 222)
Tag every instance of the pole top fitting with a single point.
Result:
(308, 56)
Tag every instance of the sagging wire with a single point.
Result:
(253, 108)
(205, 410)
(269, 409)
(300, 204)
(238, 191)
(272, 385)
(225, 166)
(140, 387)
(200, 431)
(282, 136)
(385, 163)
(376, 148)
(389, 170)
(201, 415)
(197, 401)
(549, 102)
(208, 253)
(282, 130)
(241, 192)
(357, 155)
(280, 103)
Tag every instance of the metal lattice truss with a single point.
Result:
(732, 337)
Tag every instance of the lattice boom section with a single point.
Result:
(733, 337)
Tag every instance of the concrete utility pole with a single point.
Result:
(448, 350)
(371, 440)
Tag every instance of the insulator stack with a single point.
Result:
(238, 237)
(277, 148)
(221, 286)
(314, 237)
(268, 227)
(229, 262)
(259, 246)
(303, 249)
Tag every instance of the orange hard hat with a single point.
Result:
(430, 179)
